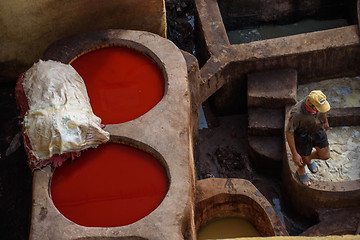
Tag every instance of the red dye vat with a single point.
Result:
(112, 185)
(122, 83)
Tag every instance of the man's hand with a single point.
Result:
(297, 159)
(326, 126)
(326, 123)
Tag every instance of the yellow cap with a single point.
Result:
(318, 99)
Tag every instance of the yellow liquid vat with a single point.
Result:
(227, 227)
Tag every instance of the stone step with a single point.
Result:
(272, 89)
(266, 121)
(266, 153)
(344, 116)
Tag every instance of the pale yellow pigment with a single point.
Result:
(227, 227)
(344, 162)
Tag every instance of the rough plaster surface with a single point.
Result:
(29, 27)
(164, 130)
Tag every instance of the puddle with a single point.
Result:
(268, 31)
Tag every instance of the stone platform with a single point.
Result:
(165, 133)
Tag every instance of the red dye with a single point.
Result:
(113, 185)
(122, 83)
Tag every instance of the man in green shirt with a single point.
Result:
(306, 129)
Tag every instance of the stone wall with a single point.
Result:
(29, 27)
(241, 14)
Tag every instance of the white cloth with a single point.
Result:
(60, 118)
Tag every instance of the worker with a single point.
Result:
(306, 129)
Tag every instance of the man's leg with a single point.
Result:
(301, 169)
(322, 149)
(321, 144)
(321, 153)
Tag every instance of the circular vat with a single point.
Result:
(238, 210)
(112, 185)
(232, 208)
(122, 83)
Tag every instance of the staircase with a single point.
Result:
(268, 94)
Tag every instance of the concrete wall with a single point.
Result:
(27, 27)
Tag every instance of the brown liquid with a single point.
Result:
(227, 227)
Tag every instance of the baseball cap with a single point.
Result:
(318, 99)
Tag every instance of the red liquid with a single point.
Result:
(113, 185)
(122, 83)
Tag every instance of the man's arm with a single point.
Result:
(326, 123)
(291, 141)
